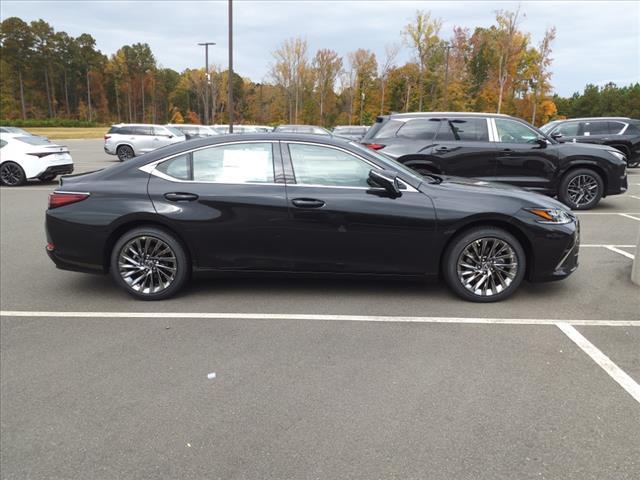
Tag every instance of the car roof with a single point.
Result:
(137, 125)
(440, 114)
(593, 119)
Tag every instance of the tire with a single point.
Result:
(125, 152)
(581, 189)
(141, 276)
(12, 174)
(488, 280)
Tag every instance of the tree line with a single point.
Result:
(48, 74)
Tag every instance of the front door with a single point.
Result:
(226, 202)
(339, 223)
(521, 159)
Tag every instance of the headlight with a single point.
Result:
(618, 155)
(555, 216)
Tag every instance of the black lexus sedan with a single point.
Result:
(302, 205)
(500, 148)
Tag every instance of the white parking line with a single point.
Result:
(621, 252)
(606, 213)
(341, 318)
(615, 372)
(635, 196)
(593, 245)
(628, 215)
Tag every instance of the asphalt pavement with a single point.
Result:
(317, 378)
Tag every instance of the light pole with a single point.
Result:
(206, 80)
(230, 78)
(446, 77)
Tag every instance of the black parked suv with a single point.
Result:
(620, 133)
(501, 148)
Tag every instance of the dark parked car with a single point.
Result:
(308, 129)
(620, 133)
(500, 148)
(301, 204)
(352, 132)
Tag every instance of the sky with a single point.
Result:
(597, 41)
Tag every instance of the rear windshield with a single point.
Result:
(31, 140)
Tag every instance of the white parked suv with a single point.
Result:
(128, 140)
(27, 157)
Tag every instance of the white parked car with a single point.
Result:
(128, 140)
(194, 131)
(27, 157)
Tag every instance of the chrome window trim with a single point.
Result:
(150, 168)
(493, 130)
(624, 128)
(408, 188)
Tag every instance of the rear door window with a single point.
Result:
(463, 130)
(569, 129)
(235, 163)
(595, 128)
(142, 130)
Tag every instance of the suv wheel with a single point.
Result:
(581, 189)
(125, 152)
(12, 174)
(485, 264)
(149, 263)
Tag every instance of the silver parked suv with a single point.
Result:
(128, 140)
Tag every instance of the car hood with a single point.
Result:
(477, 186)
(588, 147)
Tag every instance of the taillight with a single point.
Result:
(375, 146)
(59, 199)
(107, 137)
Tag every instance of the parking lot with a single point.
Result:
(318, 378)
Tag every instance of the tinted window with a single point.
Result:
(2, 143)
(177, 167)
(569, 129)
(464, 129)
(633, 129)
(114, 130)
(514, 132)
(238, 163)
(616, 127)
(315, 165)
(423, 129)
(388, 129)
(172, 131)
(595, 128)
(142, 130)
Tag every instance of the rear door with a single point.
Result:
(227, 203)
(520, 159)
(143, 138)
(462, 148)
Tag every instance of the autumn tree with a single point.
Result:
(422, 37)
(327, 65)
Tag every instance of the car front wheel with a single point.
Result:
(485, 264)
(149, 263)
(581, 189)
(12, 174)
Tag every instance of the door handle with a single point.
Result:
(307, 203)
(507, 151)
(442, 149)
(180, 197)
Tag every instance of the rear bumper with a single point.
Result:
(65, 264)
(56, 170)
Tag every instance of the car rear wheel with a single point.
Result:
(581, 189)
(149, 263)
(125, 152)
(485, 264)
(12, 174)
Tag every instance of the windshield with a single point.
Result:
(31, 140)
(389, 161)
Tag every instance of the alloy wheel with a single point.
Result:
(125, 153)
(11, 174)
(487, 266)
(147, 264)
(582, 190)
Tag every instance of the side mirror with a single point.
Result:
(386, 180)
(556, 136)
(542, 142)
